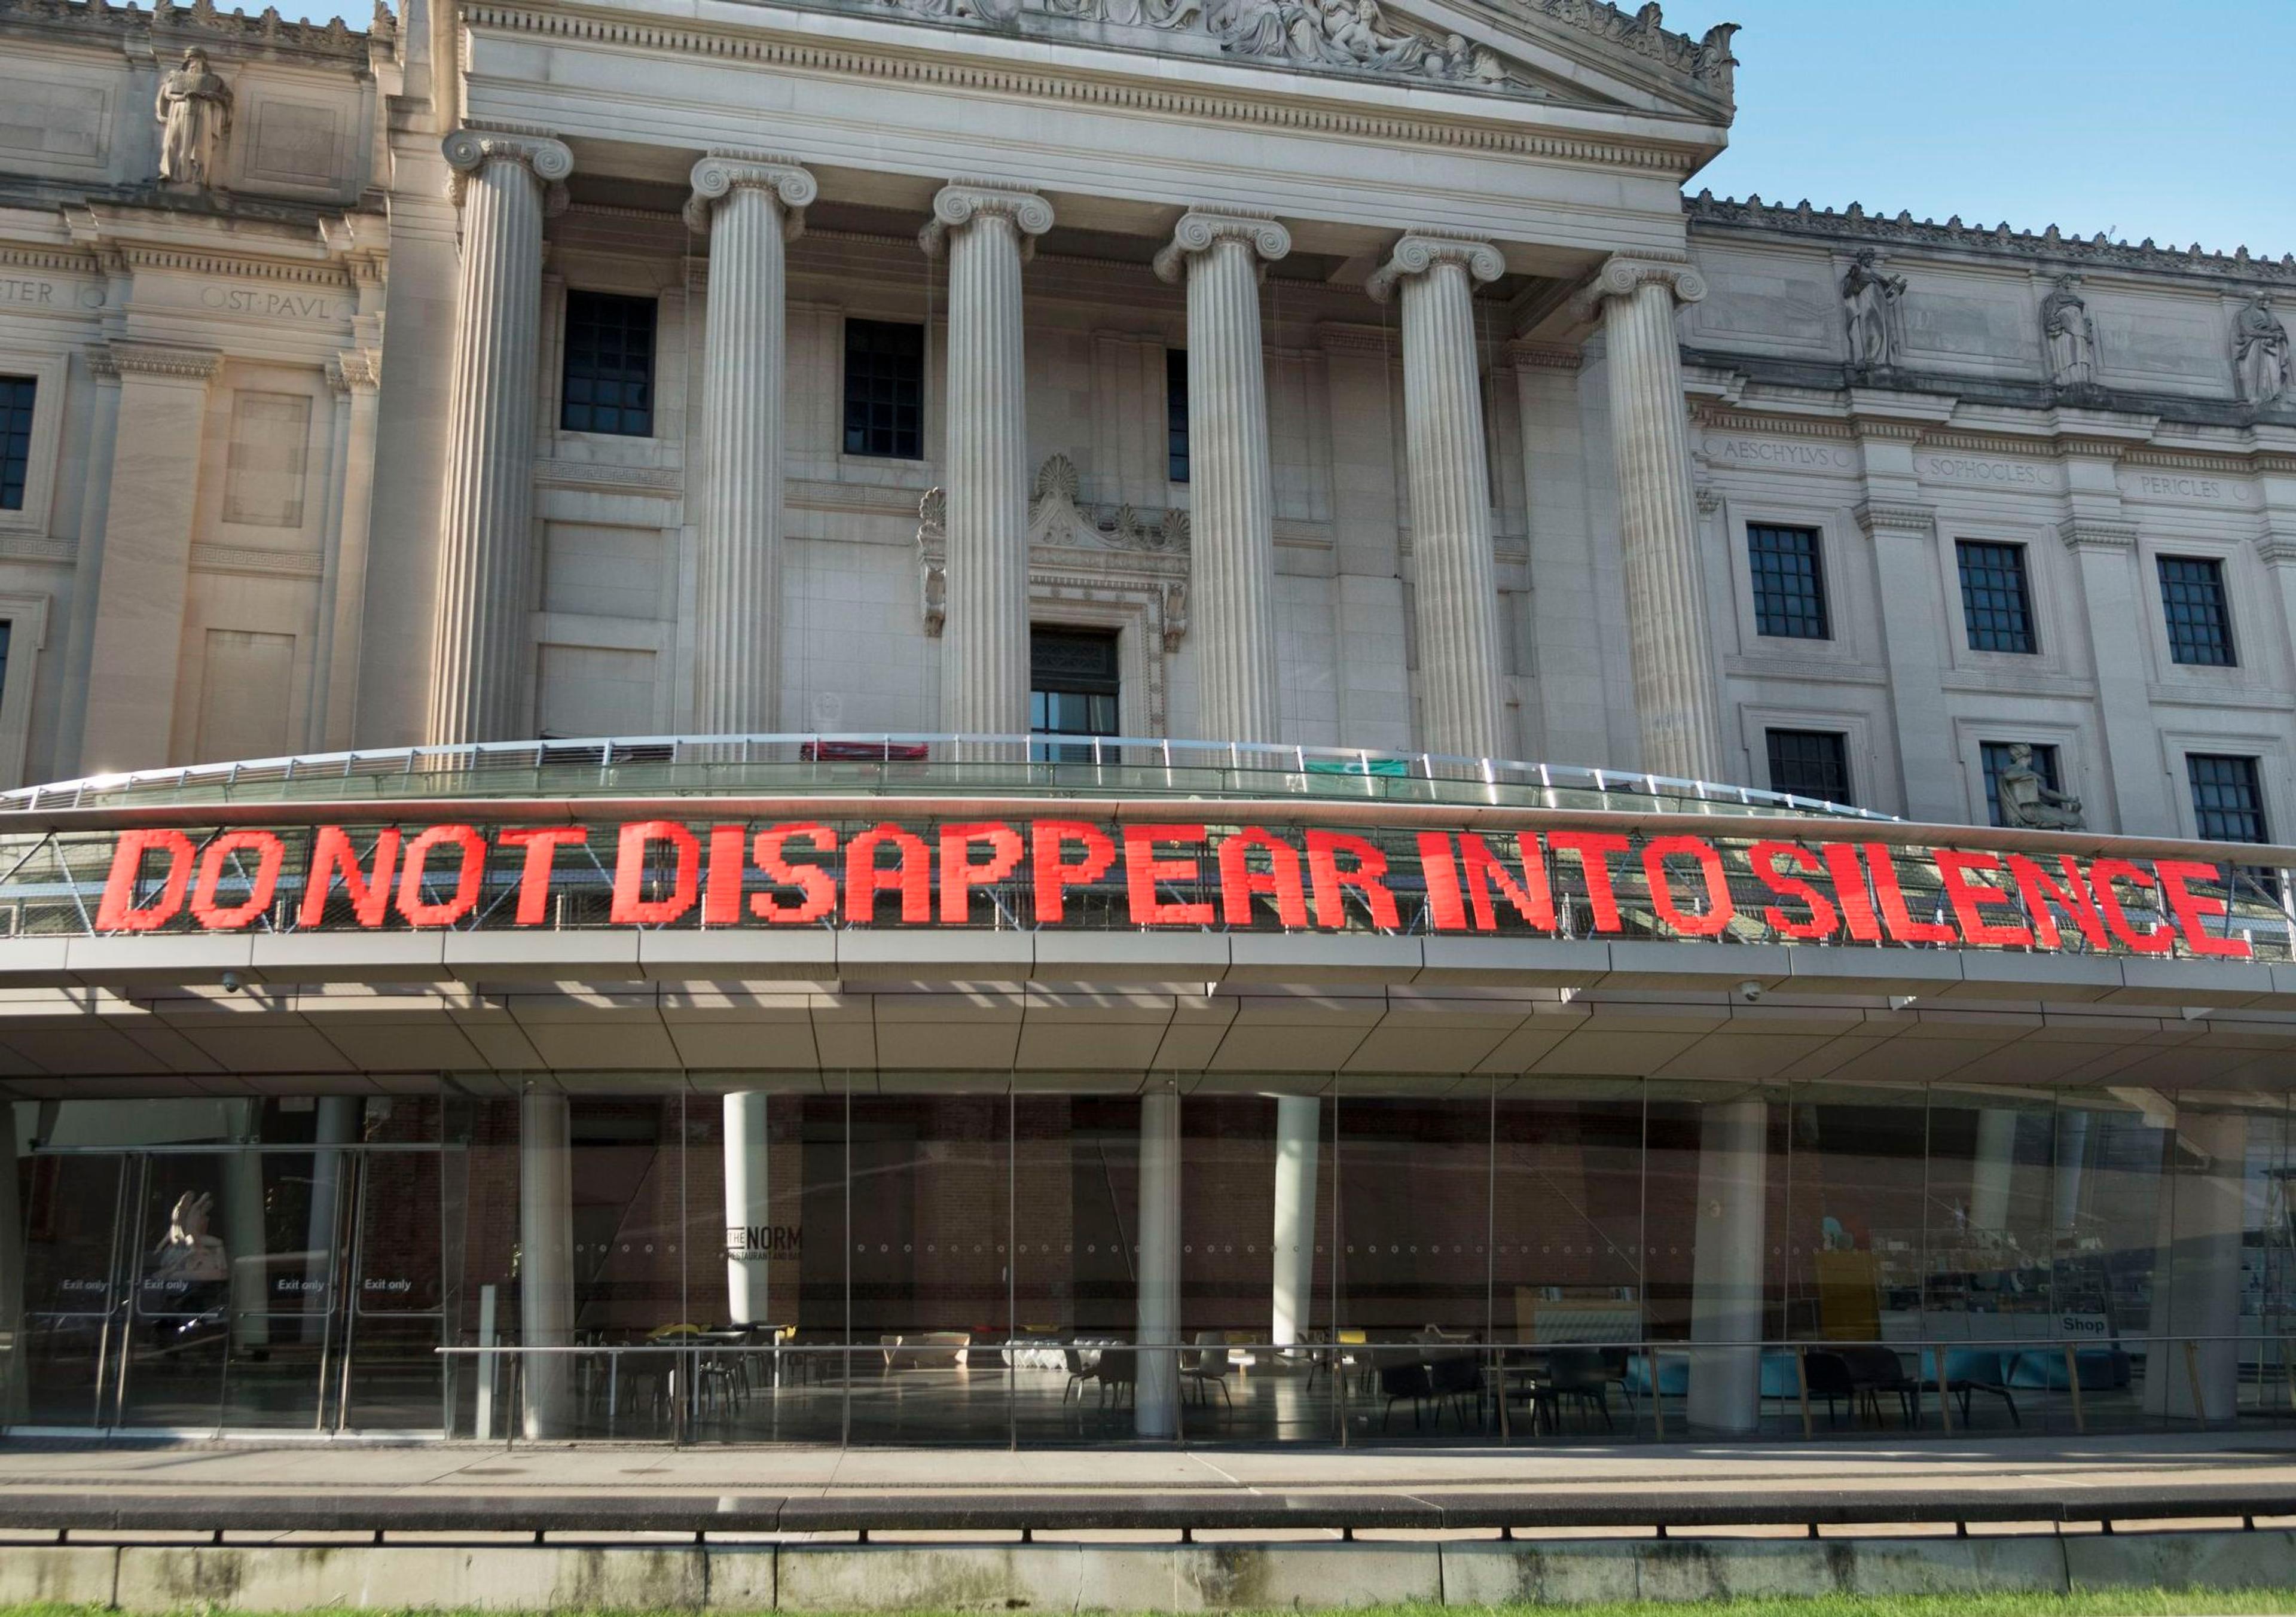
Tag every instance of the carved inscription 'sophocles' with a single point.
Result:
(2259, 352)
(194, 106)
(2070, 334)
(1869, 296)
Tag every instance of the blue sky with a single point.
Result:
(2176, 122)
(2135, 117)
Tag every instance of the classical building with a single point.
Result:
(648, 614)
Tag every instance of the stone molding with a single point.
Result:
(2049, 246)
(335, 276)
(2276, 548)
(2088, 533)
(724, 171)
(1876, 517)
(152, 359)
(1541, 356)
(36, 548)
(64, 260)
(1349, 337)
(259, 564)
(1197, 232)
(1157, 97)
(355, 371)
(609, 479)
(961, 201)
(1421, 251)
(470, 148)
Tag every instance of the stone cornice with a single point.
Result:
(961, 201)
(1541, 356)
(258, 563)
(1197, 231)
(153, 359)
(723, 172)
(606, 479)
(1162, 96)
(1876, 517)
(2225, 463)
(1723, 419)
(2088, 533)
(2276, 548)
(2050, 248)
(1421, 251)
(195, 262)
(1348, 337)
(64, 260)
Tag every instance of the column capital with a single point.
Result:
(2089, 533)
(1421, 251)
(1877, 517)
(115, 359)
(1197, 231)
(1622, 276)
(470, 150)
(723, 172)
(355, 371)
(961, 201)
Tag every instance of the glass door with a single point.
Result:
(75, 1302)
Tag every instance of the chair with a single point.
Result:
(1827, 1375)
(1207, 1366)
(1876, 1370)
(1578, 1375)
(1456, 1378)
(1969, 1371)
(1078, 1371)
(1402, 1376)
(1119, 1374)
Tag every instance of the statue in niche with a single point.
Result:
(193, 108)
(2071, 335)
(2259, 352)
(2027, 801)
(1870, 295)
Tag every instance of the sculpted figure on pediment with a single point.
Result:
(2071, 335)
(2259, 352)
(193, 108)
(1870, 295)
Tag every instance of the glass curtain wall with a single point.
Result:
(900, 1259)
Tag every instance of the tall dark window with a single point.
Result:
(2193, 598)
(1789, 583)
(1176, 414)
(1073, 686)
(2227, 798)
(1995, 601)
(884, 388)
(1810, 763)
(1995, 754)
(609, 366)
(16, 393)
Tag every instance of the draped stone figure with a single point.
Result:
(2259, 352)
(2028, 802)
(193, 108)
(2071, 335)
(1870, 296)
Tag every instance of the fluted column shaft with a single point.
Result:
(750, 206)
(485, 526)
(985, 641)
(1455, 581)
(1232, 517)
(1669, 643)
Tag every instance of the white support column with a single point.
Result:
(748, 1206)
(2192, 1365)
(1676, 700)
(546, 1262)
(1993, 1174)
(243, 1231)
(750, 206)
(2071, 1157)
(1725, 1284)
(1452, 570)
(1231, 504)
(338, 1125)
(1299, 1142)
(988, 233)
(1156, 1395)
(505, 181)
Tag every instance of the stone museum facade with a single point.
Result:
(800, 720)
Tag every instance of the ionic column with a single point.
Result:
(1231, 488)
(502, 180)
(1456, 586)
(748, 206)
(1672, 653)
(988, 234)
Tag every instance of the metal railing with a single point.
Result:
(894, 761)
(697, 1390)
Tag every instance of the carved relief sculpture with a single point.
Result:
(2070, 334)
(193, 108)
(1870, 295)
(2028, 802)
(2259, 352)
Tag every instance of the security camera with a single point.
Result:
(233, 982)
(1750, 990)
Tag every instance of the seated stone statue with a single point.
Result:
(2029, 802)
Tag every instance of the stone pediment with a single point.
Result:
(1581, 52)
